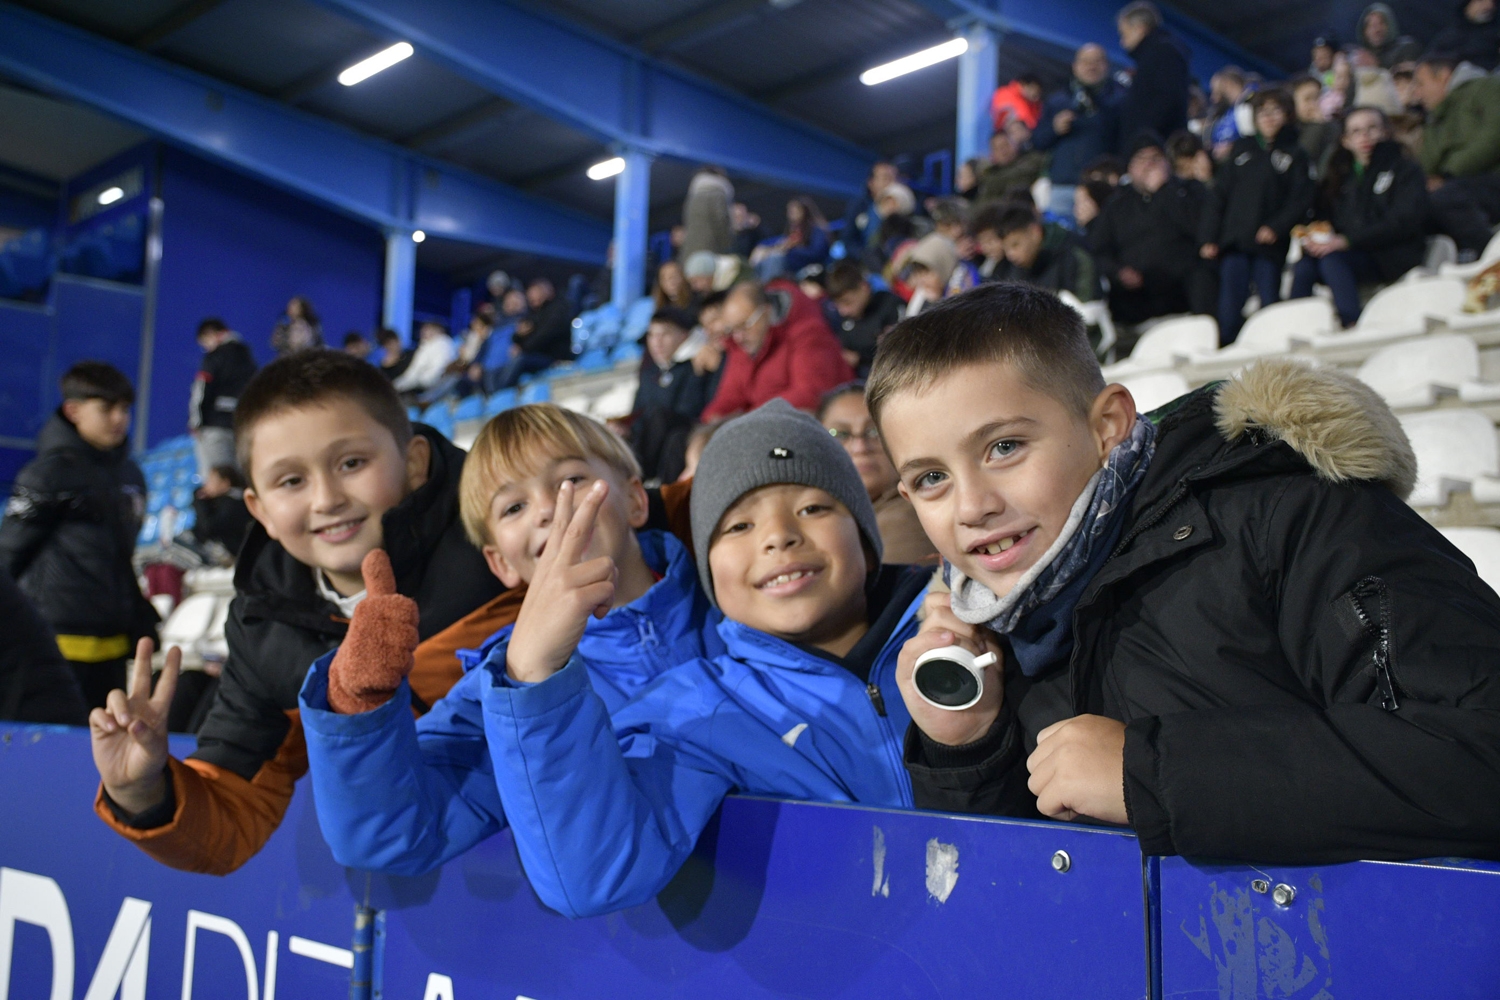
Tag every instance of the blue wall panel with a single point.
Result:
(95, 321)
(26, 333)
(235, 248)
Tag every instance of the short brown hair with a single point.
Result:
(515, 444)
(843, 278)
(1004, 322)
(97, 380)
(1277, 96)
(309, 378)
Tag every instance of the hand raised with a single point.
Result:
(377, 652)
(1078, 769)
(129, 734)
(942, 627)
(565, 591)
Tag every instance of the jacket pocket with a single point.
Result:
(1365, 613)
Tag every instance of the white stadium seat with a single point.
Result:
(1153, 389)
(1490, 256)
(1168, 344)
(1482, 546)
(1412, 374)
(1401, 310)
(1274, 329)
(1454, 448)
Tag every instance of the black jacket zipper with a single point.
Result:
(1373, 586)
(877, 699)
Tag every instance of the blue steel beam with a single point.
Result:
(978, 76)
(632, 215)
(375, 181)
(1071, 23)
(614, 92)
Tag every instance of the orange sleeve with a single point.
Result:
(675, 499)
(221, 820)
(435, 668)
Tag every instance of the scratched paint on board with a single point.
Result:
(1263, 950)
(942, 869)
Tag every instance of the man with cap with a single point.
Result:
(802, 704)
(1145, 241)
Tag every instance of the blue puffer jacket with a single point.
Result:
(605, 811)
(404, 796)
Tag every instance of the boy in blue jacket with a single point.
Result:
(403, 795)
(803, 703)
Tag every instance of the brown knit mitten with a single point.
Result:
(377, 652)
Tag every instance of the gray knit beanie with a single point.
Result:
(774, 444)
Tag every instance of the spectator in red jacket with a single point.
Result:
(780, 345)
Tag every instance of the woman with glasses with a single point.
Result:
(843, 413)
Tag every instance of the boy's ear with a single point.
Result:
(252, 504)
(70, 410)
(418, 462)
(502, 569)
(1111, 418)
(637, 503)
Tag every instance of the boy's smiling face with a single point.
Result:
(521, 512)
(788, 560)
(993, 466)
(322, 477)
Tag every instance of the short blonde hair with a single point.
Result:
(517, 443)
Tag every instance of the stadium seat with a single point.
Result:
(626, 352)
(1412, 374)
(433, 411)
(1273, 329)
(1153, 389)
(1399, 311)
(1482, 546)
(499, 402)
(595, 359)
(414, 413)
(637, 318)
(537, 392)
(1454, 448)
(1490, 256)
(1170, 343)
(1095, 314)
(469, 408)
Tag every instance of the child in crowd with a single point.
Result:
(1220, 624)
(1375, 198)
(70, 528)
(671, 396)
(228, 366)
(335, 470)
(1043, 254)
(220, 514)
(1263, 188)
(1318, 135)
(605, 807)
(864, 314)
(404, 796)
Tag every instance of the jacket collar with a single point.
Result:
(59, 434)
(272, 584)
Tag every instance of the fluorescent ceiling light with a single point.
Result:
(382, 60)
(608, 168)
(110, 195)
(418, 236)
(917, 60)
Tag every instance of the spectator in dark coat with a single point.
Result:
(70, 528)
(1475, 38)
(863, 313)
(1380, 34)
(543, 338)
(1043, 254)
(1145, 242)
(1079, 123)
(1461, 146)
(861, 220)
(670, 398)
(1376, 199)
(1012, 170)
(220, 514)
(1260, 192)
(395, 357)
(227, 368)
(1158, 97)
(35, 682)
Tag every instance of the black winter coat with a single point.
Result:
(679, 389)
(279, 624)
(225, 372)
(1157, 100)
(69, 534)
(1157, 234)
(1095, 130)
(1308, 671)
(861, 334)
(1384, 212)
(1259, 186)
(35, 682)
(552, 331)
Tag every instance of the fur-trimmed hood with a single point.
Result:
(1338, 424)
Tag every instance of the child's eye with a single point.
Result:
(814, 508)
(350, 464)
(514, 508)
(737, 527)
(927, 480)
(1004, 449)
(290, 482)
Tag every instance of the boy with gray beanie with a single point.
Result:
(803, 703)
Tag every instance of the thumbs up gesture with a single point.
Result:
(377, 652)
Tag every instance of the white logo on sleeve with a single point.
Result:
(1383, 182)
(790, 738)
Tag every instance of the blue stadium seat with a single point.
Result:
(469, 408)
(637, 318)
(440, 421)
(537, 392)
(626, 352)
(596, 359)
(437, 411)
(414, 413)
(149, 529)
(499, 402)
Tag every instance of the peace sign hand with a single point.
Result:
(565, 591)
(129, 734)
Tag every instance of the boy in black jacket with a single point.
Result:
(670, 398)
(70, 529)
(1220, 624)
(1375, 197)
(1263, 189)
(228, 366)
(335, 470)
